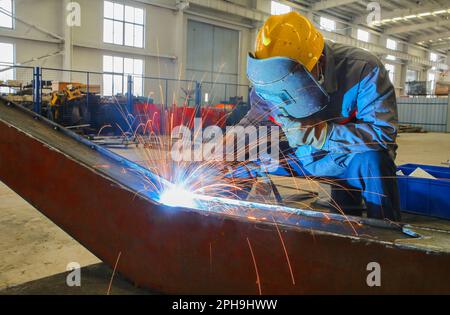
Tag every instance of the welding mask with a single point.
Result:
(288, 85)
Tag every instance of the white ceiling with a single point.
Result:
(426, 22)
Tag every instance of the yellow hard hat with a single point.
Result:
(290, 35)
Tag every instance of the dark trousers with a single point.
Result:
(372, 176)
(369, 175)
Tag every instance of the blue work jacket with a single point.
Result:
(361, 115)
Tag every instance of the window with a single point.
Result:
(123, 25)
(117, 69)
(391, 44)
(327, 24)
(433, 57)
(432, 73)
(411, 75)
(279, 8)
(6, 13)
(362, 35)
(431, 80)
(391, 70)
(6, 61)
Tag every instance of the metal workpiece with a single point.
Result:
(220, 246)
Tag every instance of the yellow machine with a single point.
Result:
(59, 100)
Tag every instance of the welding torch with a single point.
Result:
(244, 177)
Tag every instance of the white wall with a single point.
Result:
(159, 40)
(165, 36)
(29, 42)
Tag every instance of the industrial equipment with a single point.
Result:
(70, 106)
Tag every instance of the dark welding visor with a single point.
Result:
(287, 84)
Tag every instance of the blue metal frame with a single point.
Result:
(198, 100)
(37, 90)
(39, 75)
(130, 94)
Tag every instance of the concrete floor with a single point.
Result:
(32, 247)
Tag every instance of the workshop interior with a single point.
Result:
(224, 147)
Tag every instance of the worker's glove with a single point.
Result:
(298, 134)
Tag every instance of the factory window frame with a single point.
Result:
(327, 24)
(115, 78)
(6, 14)
(391, 71)
(6, 61)
(391, 44)
(412, 75)
(123, 24)
(362, 35)
(433, 57)
(432, 73)
(431, 81)
(277, 8)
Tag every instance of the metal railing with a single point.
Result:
(429, 113)
(34, 87)
(123, 92)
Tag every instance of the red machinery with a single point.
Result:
(177, 115)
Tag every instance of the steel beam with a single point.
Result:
(382, 50)
(428, 37)
(416, 27)
(389, 14)
(441, 45)
(93, 196)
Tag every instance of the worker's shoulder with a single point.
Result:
(348, 54)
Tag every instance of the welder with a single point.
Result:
(337, 109)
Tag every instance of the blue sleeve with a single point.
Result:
(375, 128)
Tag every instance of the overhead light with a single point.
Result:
(386, 20)
(424, 14)
(410, 16)
(397, 19)
(439, 12)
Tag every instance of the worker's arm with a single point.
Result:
(375, 128)
(259, 115)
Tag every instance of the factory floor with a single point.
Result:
(32, 247)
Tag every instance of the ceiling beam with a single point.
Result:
(382, 50)
(444, 45)
(424, 38)
(386, 14)
(328, 4)
(416, 27)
